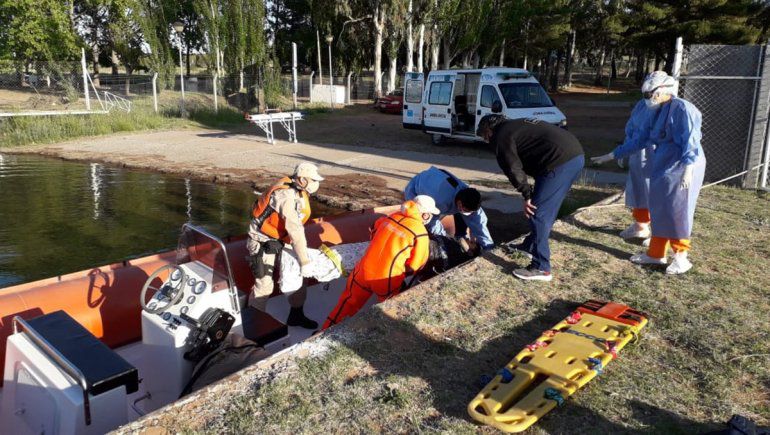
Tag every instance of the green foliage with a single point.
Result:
(272, 86)
(656, 24)
(36, 30)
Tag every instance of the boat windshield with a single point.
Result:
(524, 95)
(196, 244)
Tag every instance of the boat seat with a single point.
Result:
(102, 368)
(261, 327)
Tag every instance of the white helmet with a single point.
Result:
(658, 82)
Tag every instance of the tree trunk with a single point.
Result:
(420, 47)
(630, 61)
(115, 62)
(129, 71)
(475, 59)
(555, 72)
(379, 25)
(614, 66)
(409, 41)
(447, 59)
(95, 51)
(95, 65)
(320, 68)
(600, 67)
(434, 48)
(392, 73)
(570, 59)
(466, 62)
(501, 62)
(187, 59)
(526, 43)
(641, 60)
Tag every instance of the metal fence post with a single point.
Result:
(347, 90)
(85, 77)
(676, 69)
(759, 139)
(216, 102)
(294, 75)
(765, 174)
(155, 91)
(310, 83)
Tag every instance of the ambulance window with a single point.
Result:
(440, 93)
(413, 91)
(488, 96)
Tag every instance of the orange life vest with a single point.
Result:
(399, 243)
(269, 221)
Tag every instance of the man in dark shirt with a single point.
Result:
(554, 158)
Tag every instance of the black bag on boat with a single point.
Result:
(233, 354)
(207, 333)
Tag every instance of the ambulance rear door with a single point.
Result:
(438, 107)
(413, 90)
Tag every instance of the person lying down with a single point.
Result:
(331, 262)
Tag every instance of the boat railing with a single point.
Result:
(20, 325)
(229, 270)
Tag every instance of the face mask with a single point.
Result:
(651, 103)
(312, 187)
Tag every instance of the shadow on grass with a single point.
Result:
(564, 238)
(396, 347)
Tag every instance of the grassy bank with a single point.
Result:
(28, 130)
(413, 363)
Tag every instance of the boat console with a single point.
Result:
(59, 378)
(199, 286)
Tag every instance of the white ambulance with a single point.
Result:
(451, 102)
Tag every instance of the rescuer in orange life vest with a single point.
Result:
(278, 217)
(399, 247)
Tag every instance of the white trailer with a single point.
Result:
(450, 103)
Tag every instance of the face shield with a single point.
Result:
(312, 186)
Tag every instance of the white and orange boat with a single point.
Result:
(90, 351)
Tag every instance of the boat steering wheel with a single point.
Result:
(168, 291)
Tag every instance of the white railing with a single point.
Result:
(112, 101)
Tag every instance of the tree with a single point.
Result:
(154, 18)
(127, 40)
(192, 36)
(654, 25)
(397, 18)
(36, 30)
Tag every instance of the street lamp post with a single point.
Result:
(329, 39)
(179, 28)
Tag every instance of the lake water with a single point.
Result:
(58, 217)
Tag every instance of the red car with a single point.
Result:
(391, 103)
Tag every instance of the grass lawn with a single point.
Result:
(413, 363)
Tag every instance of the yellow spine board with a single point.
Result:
(562, 365)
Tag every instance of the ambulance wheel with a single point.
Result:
(437, 139)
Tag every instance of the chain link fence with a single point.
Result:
(723, 82)
(41, 87)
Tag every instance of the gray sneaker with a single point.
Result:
(532, 274)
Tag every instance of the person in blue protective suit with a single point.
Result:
(638, 181)
(453, 197)
(677, 168)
